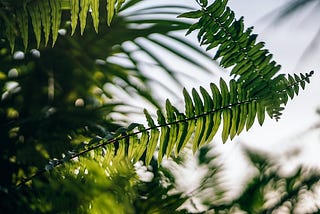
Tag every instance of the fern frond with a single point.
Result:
(236, 47)
(74, 12)
(84, 5)
(46, 16)
(286, 88)
(36, 21)
(56, 19)
(46, 21)
(22, 19)
(230, 107)
(95, 13)
(233, 106)
(10, 33)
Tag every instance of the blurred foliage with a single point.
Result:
(267, 189)
(307, 10)
(25, 19)
(57, 101)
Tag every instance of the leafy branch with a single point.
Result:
(254, 91)
(230, 107)
(236, 46)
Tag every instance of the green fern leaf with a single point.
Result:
(217, 99)
(171, 118)
(34, 12)
(45, 15)
(95, 14)
(189, 108)
(152, 145)
(290, 92)
(170, 112)
(199, 133)
(142, 146)
(208, 106)
(242, 117)
(110, 9)
(200, 122)
(164, 136)
(236, 47)
(134, 143)
(235, 112)
(182, 134)
(224, 93)
(121, 151)
(208, 129)
(22, 19)
(227, 115)
(198, 102)
(149, 118)
(11, 36)
(261, 112)
(302, 83)
(238, 111)
(74, 10)
(110, 152)
(253, 92)
(192, 14)
(193, 27)
(208, 103)
(217, 7)
(252, 110)
(216, 125)
(84, 5)
(56, 19)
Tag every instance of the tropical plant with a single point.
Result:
(61, 100)
(46, 16)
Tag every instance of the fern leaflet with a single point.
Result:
(46, 16)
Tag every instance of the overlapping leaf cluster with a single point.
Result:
(256, 89)
(236, 46)
(230, 107)
(46, 17)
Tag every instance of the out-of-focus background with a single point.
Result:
(58, 102)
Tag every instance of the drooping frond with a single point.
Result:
(232, 107)
(46, 17)
(229, 107)
(236, 46)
